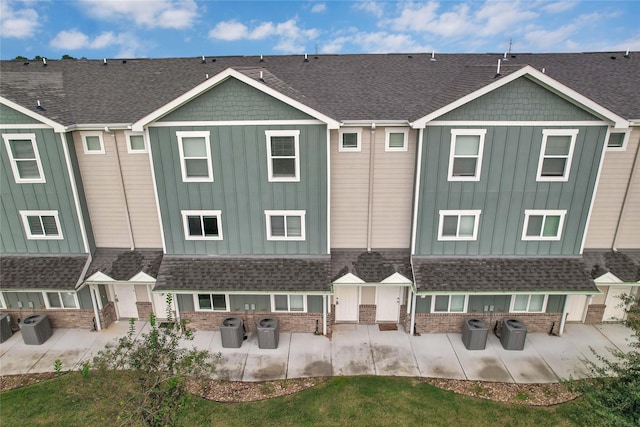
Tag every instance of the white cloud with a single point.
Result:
(551, 40)
(374, 8)
(17, 23)
(319, 7)
(376, 42)
(129, 46)
(291, 37)
(176, 14)
(72, 40)
(558, 7)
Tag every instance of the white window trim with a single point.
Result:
(84, 136)
(476, 213)
(14, 165)
(183, 165)
(513, 302)
(464, 308)
(27, 229)
(185, 224)
(130, 150)
(625, 140)
(3, 303)
(196, 305)
(573, 133)
(475, 132)
(288, 310)
(358, 132)
(45, 297)
(301, 214)
(545, 213)
(296, 139)
(388, 132)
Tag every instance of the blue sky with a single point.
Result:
(176, 28)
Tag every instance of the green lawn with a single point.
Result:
(341, 401)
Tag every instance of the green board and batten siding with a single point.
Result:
(507, 185)
(10, 116)
(55, 194)
(241, 189)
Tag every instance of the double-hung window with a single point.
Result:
(449, 304)
(285, 225)
(24, 157)
(396, 139)
(41, 225)
(458, 225)
(195, 156)
(543, 224)
(289, 303)
(211, 302)
(528, 303)
(92, 142)
(283, 155)
(61, 300)
(465, 157)
(350, 140)
(136, 143)
(202, 225)
(556, 153)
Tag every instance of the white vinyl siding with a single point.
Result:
(543, 224)
(289, 303)
(458, 225)
(528, 303)
(556, 153)
(22, 150)
(283, 155)
(350, 140)
(202, 225)
(92, 142)
(195, 156)
(285, 225)
(465, 157)
(135, 143)
(449, 304)
(396, 139)
(41, 225)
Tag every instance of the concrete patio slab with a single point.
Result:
(562, 354)
(524, 366)
(480, 365)
(618, 334)
(22, 357)
(351, 350)
(267, 364)
(435, 357)
(70, 349)
(309, 356)
(392, 353)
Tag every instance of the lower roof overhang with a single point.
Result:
(24, 273)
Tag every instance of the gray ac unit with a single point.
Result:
(232, 332)
(268, 333)
(474, 334)
(36, 329)
(513, 335)
(5, 327)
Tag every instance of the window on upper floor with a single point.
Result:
(41, 225)
(618, 140)
(289, 303)
(136, 143)
(195, 156)
(211, 302)
(285, 225)
(449, 304)
(283, 155)
(24, 157)
(458, 225)
(543, 224)
(92, 142)
(202, 225)
(350, 140)
(528, 303)
(465, 157)
(61, 300)
(556, 153)
(396, 139)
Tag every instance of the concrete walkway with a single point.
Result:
(352, 350)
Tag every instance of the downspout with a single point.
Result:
(328, 190)
(124, 191)
(370, 204)
(634, 171)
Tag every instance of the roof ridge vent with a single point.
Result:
(433, 56)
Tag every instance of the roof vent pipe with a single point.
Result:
(498, 69)
(104, 61)
(40, 107)
(204, 61)
(433, 55)
(544, 70)
(306, 58)
(261, 76)
(626, 55)
(206, 76)
(261, 58)
(44, 62)
(504, 58)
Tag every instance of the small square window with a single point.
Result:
(465, 156)
(202, 225)
(41, 225)
(556, 153)
(283, 155)
(618, 140)
(396, 139)
(350, 140)
(285, 225)
(24, 157)
(92, 142)
(458, 225)
(135, 143)
(543, 225)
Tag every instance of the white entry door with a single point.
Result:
(388, 303)
(575, 307)
(160, 306)
(346, 301)
(125, 299)
(615, 308)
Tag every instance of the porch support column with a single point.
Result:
(94, 302)
(324, 314)
(412, 329)
(175, 304)
(564, 316)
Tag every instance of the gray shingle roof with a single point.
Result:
(344, 87)
(243, 274)
(502, 275)
(624, 265)
(372, 267)
(124, 264)
(41, 272)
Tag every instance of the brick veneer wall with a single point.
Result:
(144, 310)
(108, 315)
(80, 319)
(429, 323)
(595, 312)
(367, 313)
(289, 322)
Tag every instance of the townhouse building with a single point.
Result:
(411, 189)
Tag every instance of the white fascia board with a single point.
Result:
(396, 278)
(540, 78)
(349, 279)
(99, 277)
(219, 78)
(608, 278)
(597, 292)
(57, 127)
(142, 277)
(100, 126)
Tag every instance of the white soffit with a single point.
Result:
(397, 278)
(142, 277)
(349, 278)
(99, 277)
